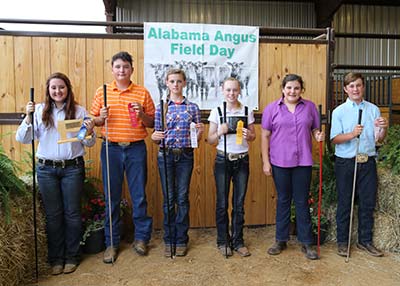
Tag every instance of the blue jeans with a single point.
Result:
(61, 190)
(366, 186)
(179, 172)
(237, 172)
(132, 160)
(293, 183)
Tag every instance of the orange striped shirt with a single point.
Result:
(119, 123)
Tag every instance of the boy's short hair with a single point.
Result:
(352, 76)
(125, 56)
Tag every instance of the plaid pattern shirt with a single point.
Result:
(177, 120)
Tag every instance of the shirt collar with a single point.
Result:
(184, 101)
(353, 104)
(53, 104)
(301, 100)
(115, 88)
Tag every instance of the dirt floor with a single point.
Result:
(205, 266)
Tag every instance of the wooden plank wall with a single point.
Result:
(27, 62)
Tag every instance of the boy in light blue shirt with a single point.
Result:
(344, 132)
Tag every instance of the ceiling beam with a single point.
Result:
(325, 9)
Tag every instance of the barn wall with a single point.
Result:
(28, 60)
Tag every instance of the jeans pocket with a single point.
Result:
(188, 155)
(220, 159)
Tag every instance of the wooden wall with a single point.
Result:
(27, 61)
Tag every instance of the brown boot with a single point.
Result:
(277, 248)
(370, 249)
(110, 254)
(243, 251)
(140, 247)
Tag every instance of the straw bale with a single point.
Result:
(17, 258)
(386, 232)
(387, 219)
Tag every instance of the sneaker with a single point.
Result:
(167, 251)
(181, 250)
(370, 249)
(140, 247)
(57, 269)
(277, 248)
(70, 267)
(225, 250)
(342, 250)
(243, 251)
(110, 254)
(309, 252)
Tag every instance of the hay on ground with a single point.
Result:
(17, 257)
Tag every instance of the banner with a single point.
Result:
(208, 54)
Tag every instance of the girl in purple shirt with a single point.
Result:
(287, 126)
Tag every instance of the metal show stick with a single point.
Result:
(108, 175)
(354, 188)
(171, 248)
(320, 182)
(226, 186)
(34, 186)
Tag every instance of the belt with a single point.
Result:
(361, 158)
(233, 156)
(176, 151)
(124, 144)
(61, 163)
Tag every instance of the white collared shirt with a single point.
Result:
(48, 148)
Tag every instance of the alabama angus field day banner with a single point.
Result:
(208, 54)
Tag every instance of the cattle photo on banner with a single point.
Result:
(207, 54)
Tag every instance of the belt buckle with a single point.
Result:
(241, 156)
(233, 157)
(124, 144)
(61, 162)
(362, 158)
(176, 151)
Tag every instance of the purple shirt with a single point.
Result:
(290, 141)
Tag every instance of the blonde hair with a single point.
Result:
(231, 79)
(176, 71)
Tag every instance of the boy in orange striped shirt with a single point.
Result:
(126, 150)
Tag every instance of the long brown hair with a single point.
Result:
(70, 102)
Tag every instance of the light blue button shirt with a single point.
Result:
(48, 147)
(345, 118)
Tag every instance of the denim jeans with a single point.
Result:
(179, 172)
(132, 160)
(366, 187)
(293, 183)
(61, 190)
(238, 172)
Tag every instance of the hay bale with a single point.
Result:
(388, 200)
(386, 232)
(17, 258)
(387, 219)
